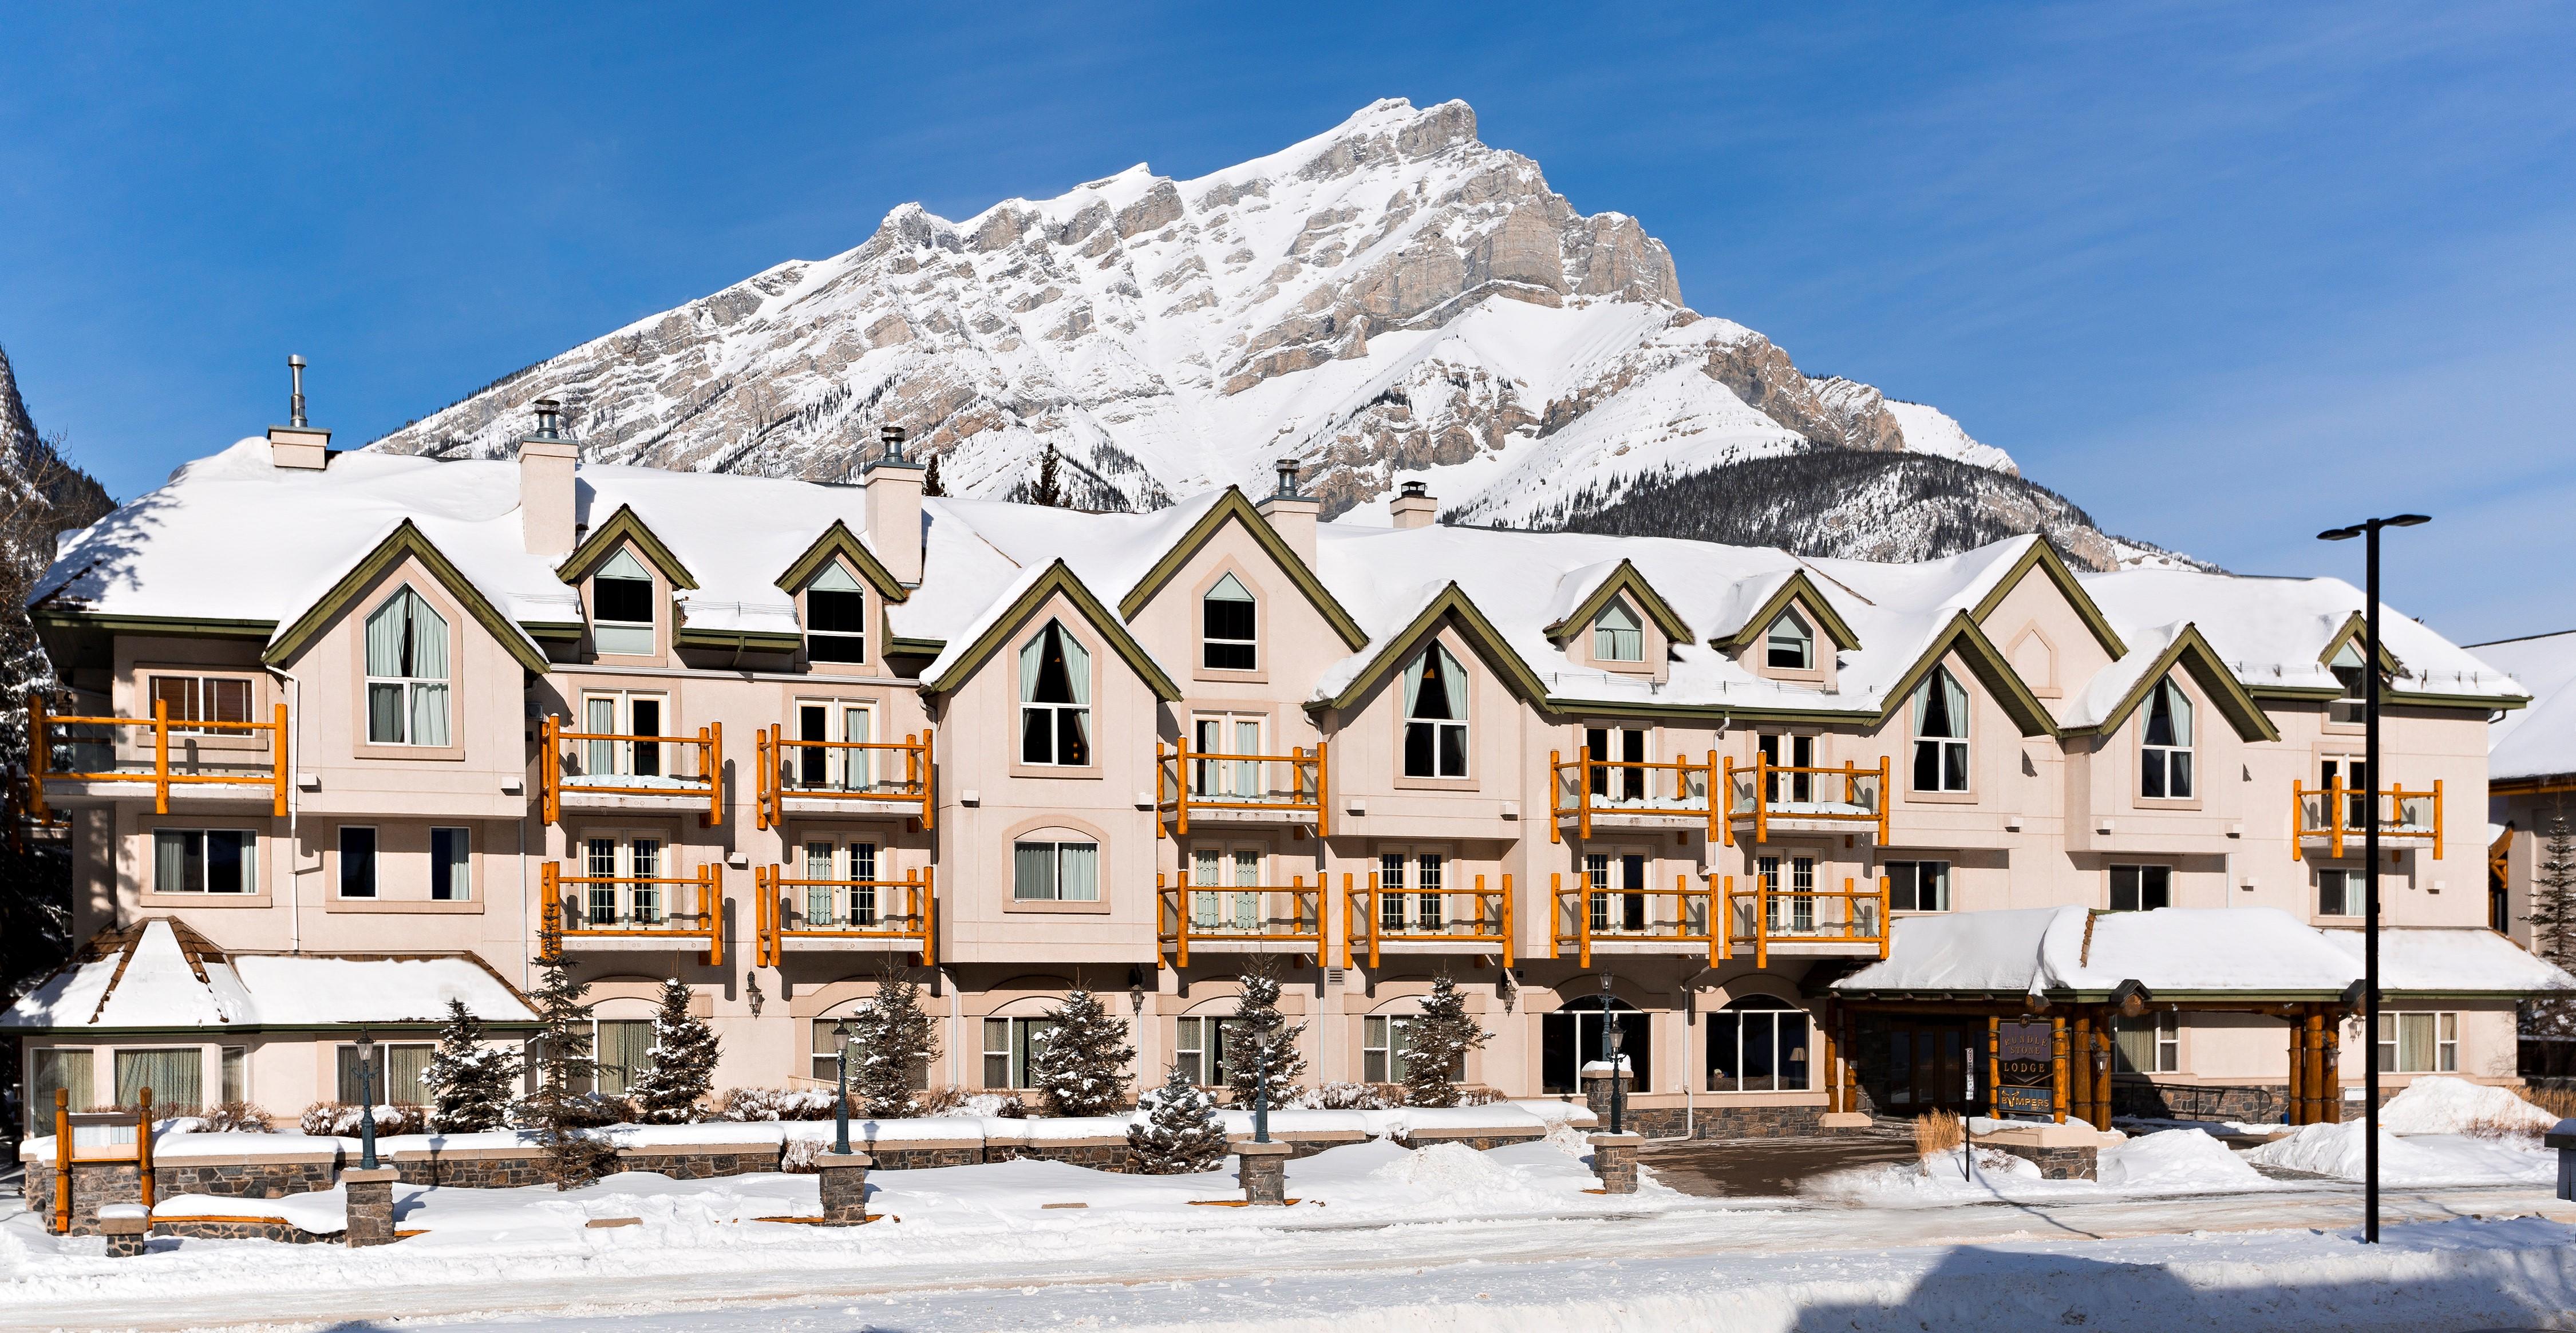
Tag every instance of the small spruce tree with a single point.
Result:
(684, 1062)
(1261, 1038)
(1180, 1132)
(1049, 490)
(1081, 1066)
(1442, 1035)
(2553, 894)
(893, 1040)
(930, 484)
(468, 1082)
(560, 1106)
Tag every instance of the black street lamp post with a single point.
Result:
(1613, 1038)
(366, 1101)
(1261, 1093)
(2369, 530)
(841, 1104)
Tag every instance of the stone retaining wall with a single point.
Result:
(196, 1229)
(1725, 1122)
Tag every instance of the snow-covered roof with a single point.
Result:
(2539, 741)
(2428, 960)
(2074, 951)
(161, 975)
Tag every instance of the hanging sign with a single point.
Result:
(2026, 1069)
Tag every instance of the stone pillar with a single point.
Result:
(1596, 1089)
(371, 1206)
(1264, 1172)
(845, 1187)
(127, 1226)
(1614, 1160)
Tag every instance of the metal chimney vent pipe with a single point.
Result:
(893, 437)
(295, 407)
(1288, 468)
(548, 411)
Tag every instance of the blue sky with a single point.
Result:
(2224, 275)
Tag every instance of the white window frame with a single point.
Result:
(462, 868)
(1736, 1009)
(1800, 641)
(1229, 779)
(1054, 887)
(626, 902)
(1616, 642)
(2147, 875)
(1912, 881)
(1192, 1035)
(625, 758)
(856, 867)
(196, 705)
(1605, 874)
(1608, 741)
(1801, 749)
(2159, 764)
(841, 770)
(1210, 643)
(1799, 893)
(1386, 1042)
(2165, 1041)
(2351, 891)
(625, 635)
(1018, 1050)
(2445, 1040)
(419, 695)
(1401, 875)
(835, 578)
(1230, 901)
(343, 1052)
(1438, 733)
(1948, 754)
(1075, 712)
(248, 860)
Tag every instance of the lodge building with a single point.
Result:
(348, 734)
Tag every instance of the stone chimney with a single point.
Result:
(1413, 508)
(547, 499)
(296, 444)
(892, 485)
(1292, 515)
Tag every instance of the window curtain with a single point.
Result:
(2414, 1043)
(176, 1077)
(1079, 865)
(403, 1066)
(625, 1052)
(385, 635)
(170, 863)
(73, 1071)
(1032, 657)
(1436, 661)
(1077, 665)
(1456, 682)
(428, 632)
(1033, 870)
(860, 772)
(1941, 707)
(2136, 1043)
(1617, 637)
(1413, 682)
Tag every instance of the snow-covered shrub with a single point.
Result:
(768, 1104)
(1343, 1097)
(1261, 1044)
(1180, 1132)
(1081, 1065)
(891, 1041)
(1442, 1035)
(558, 1110)
(340, 1120)
(684, 1062)
(467, 1080)
(956, 1101)
(798, 1155)
(234, 1118)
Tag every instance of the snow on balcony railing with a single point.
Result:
(1594, 913)
(2336, 813)
(648, 907)
(211, 753)
(1763, 915)
(892, 777)
(596, 763)
(1407, 915)
(1584, 786)
(1767, 791)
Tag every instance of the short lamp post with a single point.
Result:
(1261, 1092)
(1613, 1038)
(2369, 530)
(841, 1103)
(366, 1101)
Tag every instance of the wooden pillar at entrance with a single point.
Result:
(2298, 1093)
(2319, 1094)
(2102, 1085)
(1994, 1058)
(2057, 1092)
(1851, 1065)
(2332, 1083)
(2084, 1068)
(1833, 1060)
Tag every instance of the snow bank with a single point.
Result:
(2425, 1159)
(2183, 1159)
(2442, 1105)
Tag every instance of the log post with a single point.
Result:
(62, 1161)
(2084, 1069)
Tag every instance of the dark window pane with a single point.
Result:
(836, 612)
(1725, 1067)
(835, 648)
(1927, 766)
(2151, 774)
(357, 863)
(1037, 736)
(1227, 619)
(2178, 775)
(1072, 749)
(1417, 750)
(2124, 888)
(1453, 752)
(226, 856)
(1055, 684)
(622, 599)
(1229, 656)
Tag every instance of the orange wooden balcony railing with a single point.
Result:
(640, 907)
(1266, 915)
(246, 768)
(1411, 915)
(898, 911)
(610, 764)
(1681, 915)
(1765, 791)
(2334, 813)
(890, 777)
(1297, 782)
(1763, 916)
(1585, 786)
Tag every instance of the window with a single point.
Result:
(1617, 746)
(1227, 633)
(357, 861)
(204, 861)
(824, 767)
(1572, 1037)
(1055, 700)
(2354, 776)
(1793, 903)
(2340, 893)
(203, 699)
(2419, 1043)
(1628, 910)
(2148, 1044)
(1790, 645)
(1917, 886)
(51, 1067)
(1424, 908)
(451, 865)
(625, 870)
(621, 713)
(1237, 779)
(2141, 888)
(1008, 1044)
(2353, 706)
(1940, 733)
(1217, 866)
(624, 1051)
(848, 894)
(1060, 872)
(406, 673)
(176, 1076)
(1201, 1050)
(236, 1074)
(1435, 712)
(2164, 765)
(621, 607)
(1386, 1048)
(1757, 1044)
(396, 1077)
(836, 617)
(823, 1067)
(1617, 636)
(1800, 753)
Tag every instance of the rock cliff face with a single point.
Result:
(1391, 297)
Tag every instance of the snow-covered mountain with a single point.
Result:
(1389, 299)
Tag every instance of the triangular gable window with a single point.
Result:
(836, 617)
(621, 606)
(1616, 635)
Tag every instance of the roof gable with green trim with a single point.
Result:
(1987, 663)
(405, 542)
(2192, 653)
(1801, 590)
(1625, 579)
(1232, 506)
(1058, 579)
(1473, 626)
(623, 527)
(2044, 558)
(838, 540)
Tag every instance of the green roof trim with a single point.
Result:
(1232, 505)
(2044, 557)
(1479, 632)
(1796, 588)
(173, 626)
(624, 526)
(1058, 578)
(2193, 654)
(899, 646)
(1987, 663)
(1624, 579)
(749, 640)
(2356, 626)
(555, 631)
(406, 541)
(839, 540)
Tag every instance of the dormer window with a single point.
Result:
(836, 617)
(1055, 700)
(2164, 765)
(1227, 639)
(621, 607)
(406, 673)
(1791, 645)
(2355, 680)
(1940, 733)
(1617, 636)
(1435, 713)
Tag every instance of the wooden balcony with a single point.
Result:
(843, 913)
(605, 771)
(1376, 922)
(850, 779)
(1678, 919)
(1850, 923)
(2333, 816)
(1241, 788)
(1242, 918)
(93, 760)
(631, 911)
(1628, 793)
(1802, 799)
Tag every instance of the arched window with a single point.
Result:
(621, 607)
(406, 673)
(2164, 766)
(1616, 635)
(1573, 1037)
(1055, 699)
(836, 617)
(1940, 733)
(1227, 639)
(1791, 646)
(1758, 1044)
(1435, 712)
